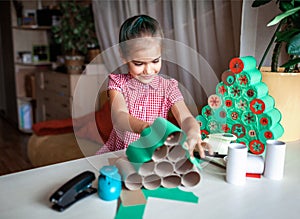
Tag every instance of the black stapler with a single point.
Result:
(72, 191)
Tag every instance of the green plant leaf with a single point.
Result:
(282, 16)
(293, 48)
(258, 3)
(286, 35)
(291, 62)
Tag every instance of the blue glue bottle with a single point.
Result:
(109, 183)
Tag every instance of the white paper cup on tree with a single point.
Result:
(236, 164)
(274, 161)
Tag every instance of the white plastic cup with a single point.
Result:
(236, 164)
(274, 161)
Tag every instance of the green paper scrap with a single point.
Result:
(173, 194)
(151, 138)
(137, 211)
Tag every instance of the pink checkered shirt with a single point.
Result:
(144, 101)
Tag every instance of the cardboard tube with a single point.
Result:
(176, 153)
(147, 168)
(171, 181)
(160, 153)
(275, 157)
(151, 182)
(131, 178)
(191, 178)
(164, 168)
(183, 166)
(236, 164)
(255, 164)
(173, 139)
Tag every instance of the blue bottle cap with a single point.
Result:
(109, 170)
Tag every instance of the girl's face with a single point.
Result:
(144, 61)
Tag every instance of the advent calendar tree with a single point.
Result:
(243, 107)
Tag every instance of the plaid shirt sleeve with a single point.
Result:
(173, 92)
(115, 82)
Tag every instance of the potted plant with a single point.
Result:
(75, 32)
(283, 82)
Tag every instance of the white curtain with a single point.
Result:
(202, 36)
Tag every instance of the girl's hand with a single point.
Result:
(194, 142)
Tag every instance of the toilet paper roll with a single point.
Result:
(202, 121)
(207, 112)
(176, 153)
(228, 78)
(274, 161)
(255, 164)
(221, 89)
(183, 166)
(131, 178)
(191, 178)
(274, 132)
(236, 164)
(235, 91)
(146, 168)
(250, 77)
(249, 118)
(270, 118)
(171, 181)
(163, 168)
(264, 104)
(240, 64)
(160, 153)
(214, 101)
(152, 182)
(256, 146)
(255, 91)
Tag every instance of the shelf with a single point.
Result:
(32, 27)
(34, 63)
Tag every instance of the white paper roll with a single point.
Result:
(236, 164)
(255, 164)
(275, 157)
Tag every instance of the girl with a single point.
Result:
(140, 96)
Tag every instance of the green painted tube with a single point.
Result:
(269, 119)
(274, 132)
(202, 121)
(255, 91)
(248, 118)
(261, 105)
(250, 77)
(206, 112)
(246, 63)
(152, 138)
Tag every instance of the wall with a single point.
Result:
(255, 35)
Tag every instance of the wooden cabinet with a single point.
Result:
(57, 94)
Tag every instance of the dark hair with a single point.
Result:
(139, 26)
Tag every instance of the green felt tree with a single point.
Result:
(242, 106)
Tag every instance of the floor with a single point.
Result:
(13, 144)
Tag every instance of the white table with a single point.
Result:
(26, 194)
